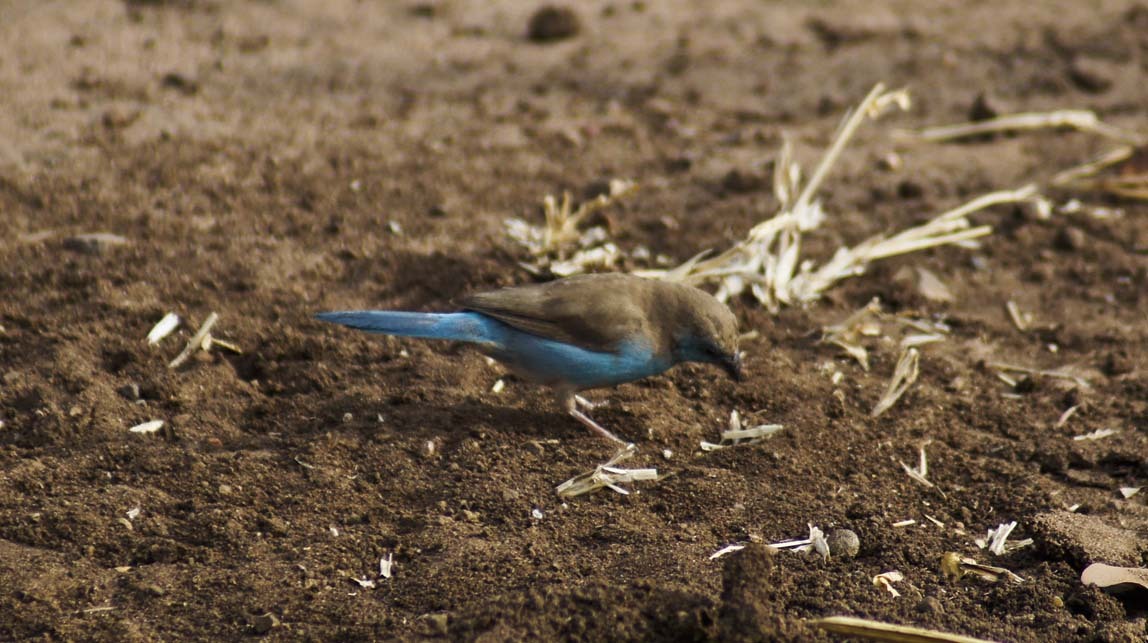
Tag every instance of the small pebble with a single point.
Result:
(740, 182)
(843, 543)
(1026, 384)
(1118, 363)
(1092, 75)
(909, 189)
(439, 622)
(930, 605)
(264, 623)
(130, 391)
(551, 24)
(983, 108)
(1070, 239)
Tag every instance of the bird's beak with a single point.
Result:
(732, 365)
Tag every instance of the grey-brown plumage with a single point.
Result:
(579, 333)
(598, 312)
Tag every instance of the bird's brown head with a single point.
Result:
(707, 331)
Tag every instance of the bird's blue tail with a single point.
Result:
(459, 327)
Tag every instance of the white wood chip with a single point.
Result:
(163, 328)
(147, 427)
(1096, 435)
(386, 564)
(728, 549)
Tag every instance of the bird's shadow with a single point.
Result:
(411, 417)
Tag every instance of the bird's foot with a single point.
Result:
(570, 403)
(588, 404)
(595, 427)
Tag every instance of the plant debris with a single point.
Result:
(147, 427)
(607, 475)
(560, 246)
(728, 549)
(887, 579)
(1008, 372)
(737, 435)
(869, 322)
(768, 261)
(815, 542)
(955, 566)
(863, 322)
(996, 540)
(1098, 434)
(1079, 119)
(1022, 321)
(921, 471)
(365, 583)
(1064, 417)
(1122, 172)
(878, 631)
(904, 375)
(163, 328)
(196, 341)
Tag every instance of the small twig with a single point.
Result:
(904, 375)
(1064, 417)
(879, 631)
(1079, 119)
(1089, 169)
(1018, 318)
(195, 342)
(921, 471)
(1003, 370)
(871, 107)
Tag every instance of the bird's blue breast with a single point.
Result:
(560, 364)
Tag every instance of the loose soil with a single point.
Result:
(268, 160)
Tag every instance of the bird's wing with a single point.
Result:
(595, 312)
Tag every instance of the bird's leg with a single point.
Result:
(569, 402)
(587, 404)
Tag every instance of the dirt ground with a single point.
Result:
(268, 160)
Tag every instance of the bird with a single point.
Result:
(578, 333)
